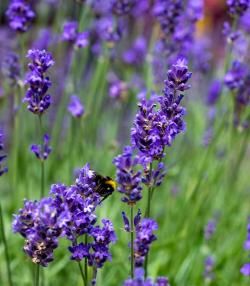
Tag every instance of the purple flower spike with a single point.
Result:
(75, 106)
(42, 152)
(100, 248)
(178, 76)
(144, 238)
(245, 269)
(39, 224)
(20, 15)
(128, 179)
(36, 96)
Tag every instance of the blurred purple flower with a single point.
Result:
(235, 77)
(118, 89)
(108, 30)
(214, 92)
(75, 107)
(139, 280)
(82, 40)
(70, 31)
(11, 67)
(20, 15)
(245, 269)
(42, 151)
(209, 267)
(136, 54)
(238, 7)
(167, 13)
(210, 229)
(247, 242)
(122, 7)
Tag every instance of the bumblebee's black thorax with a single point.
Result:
(105, 186)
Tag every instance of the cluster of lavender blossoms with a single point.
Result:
(2, 156)
(158, 121)
(68, 212)
(245, 269)
(140, 281)
(154, 129)
(36, 96)
(20, 15)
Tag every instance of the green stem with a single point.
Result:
(150, 190)
(94, 275)
(37, 275)
(42, 161)
(132, 241)
(230, 46)
(86, 262)
(82, 274)
(6, 252)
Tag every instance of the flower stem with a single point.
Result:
(37, 275)
(41, 160)
(132, 241)
(82, 274)
(148, 211)
(94, 275)
(86, 262)
(6, 252)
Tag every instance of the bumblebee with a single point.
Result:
(105, 186)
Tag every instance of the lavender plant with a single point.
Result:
(120, 83)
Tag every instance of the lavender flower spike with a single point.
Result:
(40, 224)
(36, 96)
(144, 238)
(128, 179)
